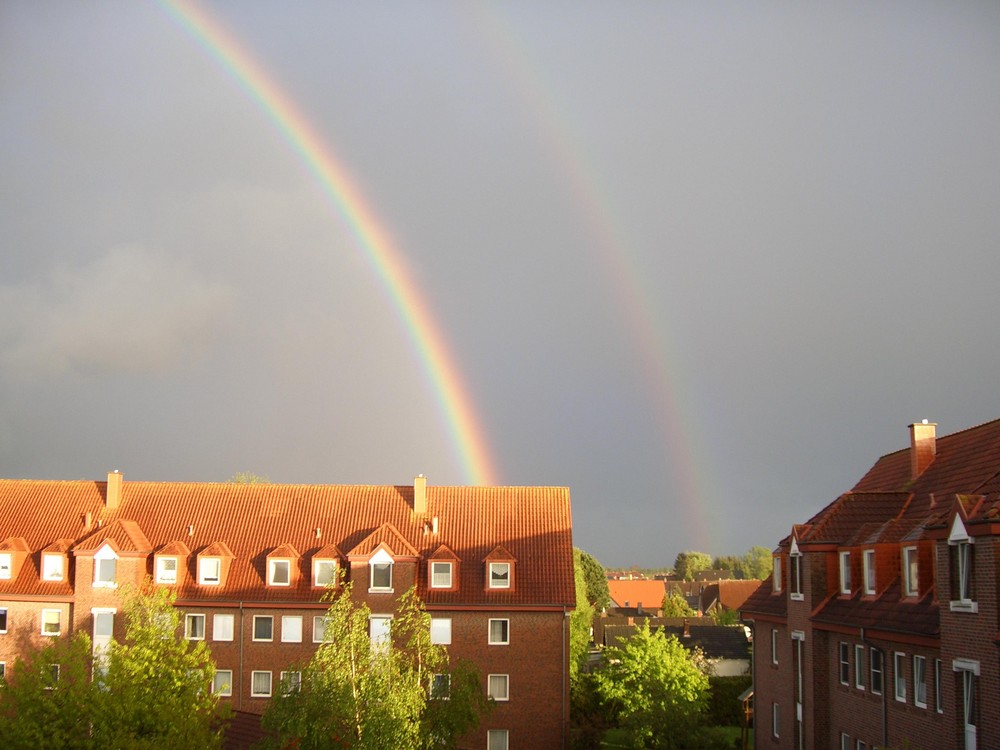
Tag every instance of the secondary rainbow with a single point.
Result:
(371, 236)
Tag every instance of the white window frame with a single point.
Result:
(496, 578)
(775, 720)
(447, 568)
(774, 645)
(274, 565)
(919, 680)
(380, 631)
(6, 565)
(501, 692)
(254, 693)
(206, 575)
(291, 682)
(291, 628)
(776, 572)
(3, 671)
(872, 671)
(383, 561)
(911, 572)
(189, 630)
(899, 675)
(497, 739)
(964, 561)
(319, 628)
(102, 557)
(46, 618)
(437, 693)
(222, 687)
(163, 573)
(262, 618)
(845, 741)
(319, 564)
(441, 631)
(53, 567)
(845, 572)
(4, 614)
(870, 572)
(223, 624)
(859, 666)
(506, 631)
(844, 659)
(938, 698)
(796, 592)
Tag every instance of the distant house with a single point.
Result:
(726, 595)
(643, 597)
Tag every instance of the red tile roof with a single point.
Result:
(532, 524)
(628, 593)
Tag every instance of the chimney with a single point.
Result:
(113, 494)
(420, 494)
(923, 447)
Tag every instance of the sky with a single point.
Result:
(700, 262)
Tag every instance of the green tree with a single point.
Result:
(595, 578)
(654, 689)
(248, 477)
(675, 605)
(757, 563)
(689, 563)
(580, 623)
(369, 695)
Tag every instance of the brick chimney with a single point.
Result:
(420, 494)
(923, 447)
(113, 494)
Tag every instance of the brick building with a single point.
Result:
(879, 627)
(250, 562)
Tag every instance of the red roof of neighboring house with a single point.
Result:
(630, 593)
(532, 523)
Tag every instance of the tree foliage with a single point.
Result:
(654, 689)
(248, 477)
(689, 563)
(675, 605)
(150, 691)
(580, 622)
(595, 579)
(359, 694)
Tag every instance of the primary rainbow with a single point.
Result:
(371, 236)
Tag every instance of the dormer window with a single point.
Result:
(869, 571)
(5, 565)
(962, 558)
(105, 568)
(845, 572)
(53, 567)
(911, 585)
(499, 575)
(441, 575)
(279, 572)
(380, 571)
(166, 570)
(776, 572)
(795, 572)
(324, 572)
(209, 570)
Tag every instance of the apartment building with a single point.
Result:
(879, 626)
(249, 564)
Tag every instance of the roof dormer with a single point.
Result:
(326, 567)
(283, 566)
(14, 551)
(55, 561)
(214, 562)
(443, 570)
(500, 565)
(170, 563)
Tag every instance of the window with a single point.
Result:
(291, 682)
(869, 565)
(223, 627)
(499, 632)
(875, 660)
(105, 567)
(774, 645)
(194, 627)
(938, 701)
(845, 664)
(291, 629)
(795, 573)
(440, 575)
(5, 564)
(324, 573)
(441, 630)
(776, 575)
(496, 739)
(54, 672)
(319, 628)
(859, 667)
(263, 628)
(962, 568)
(279, 572)
(52, 567)
(3, 670)
(209, 570)
(51, 622)
(861, 745)
(499, 575)
(910, 581)
(845, 572)
(845, 741)
(380, 571)
(775, 720)
(920, 681)
(499, 687)
(898, 671)
(379, 630)
(222, 682)
(260, 684)
(440, 687)
(166, 570)
(3, 620)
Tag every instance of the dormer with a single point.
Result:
(14, 551)
(106, 566)
(170, 563)
(795, 590)
(55, 561)
(121, 539)
(961, 568)
(390, 560)
(282, 566)
(213, 564)
(326, 567)
(443, 570)
(500, 564)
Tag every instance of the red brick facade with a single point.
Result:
(882, 613)
(243, 561)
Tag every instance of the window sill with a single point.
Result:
(381, 591)
(964, 606)
(105, 585)
(797, 597)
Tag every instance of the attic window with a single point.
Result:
(440, 575)
(279, 572)
(795, 573)
(5, 565)
(869, 570)
(166, 570)
(105, 568)
(911, 586)
(380, 571)
(324, 572)
(52, 567)
(499, 575)
(845, 573)
(776, 575)
(209, 570)
(962, 568)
